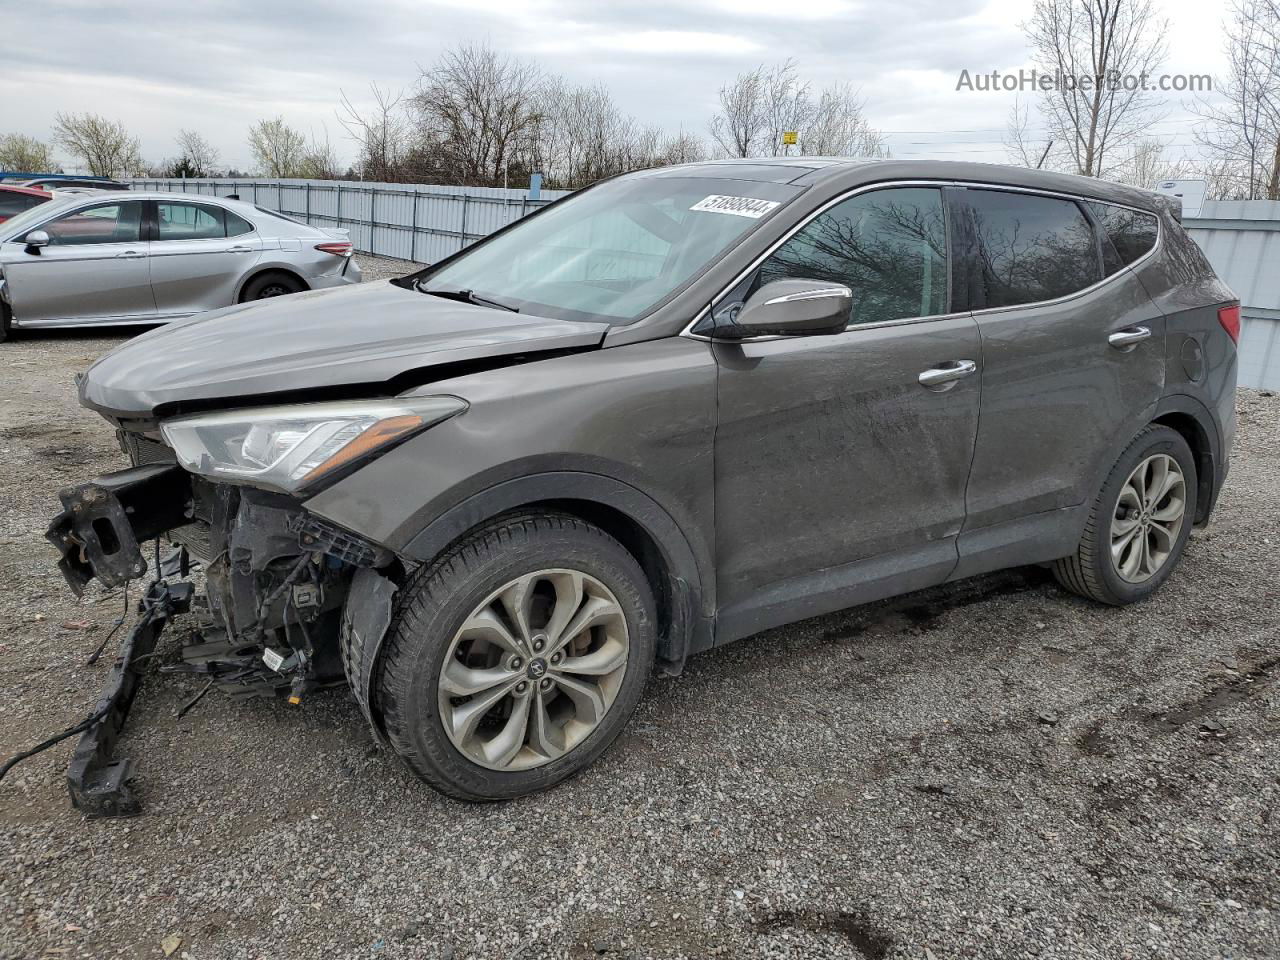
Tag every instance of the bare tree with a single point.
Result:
(20, 153)
(1242, 137)
(1148, 163)
(1021, 146)
(738, 126)
(196, 155)
(475, 109)
(104, 146)
(838, 127)
(787, 107)
(319, 160)
(1098, 49)
(278, 149)
(681, 147)
(763, 104)
(381, 131)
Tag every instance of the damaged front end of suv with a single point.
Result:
(290, 601)
(226, 489)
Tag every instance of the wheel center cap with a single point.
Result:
(537, 669)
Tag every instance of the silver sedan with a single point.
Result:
(152, 257)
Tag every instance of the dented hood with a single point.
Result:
(361, 336)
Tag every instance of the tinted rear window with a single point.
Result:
(1130, 234)
(1031, 248)
(14, 203)
(280, 216)
(237, 225)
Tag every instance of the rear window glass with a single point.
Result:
(1031, 248)
(280, 216)
(237, 225)
(13, 203)
(1129, 234)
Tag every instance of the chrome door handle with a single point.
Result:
(1128, 337)
(947, 373)
(239, 249)
(130, 255)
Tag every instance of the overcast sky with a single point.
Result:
(218, 66)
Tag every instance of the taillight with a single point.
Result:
(1229, 317)
(339, 248)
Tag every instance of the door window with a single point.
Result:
(189, 221)
(1030, 248)
(1129, 234)
(14, 203)
(108, 223)
(888, 246)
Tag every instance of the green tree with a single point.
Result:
(21, 153)
(278, 149)
(104, 146)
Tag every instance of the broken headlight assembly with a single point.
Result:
(287, 448)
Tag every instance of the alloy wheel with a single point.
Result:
(1148, 518)
(533, 670)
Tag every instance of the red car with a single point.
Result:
(14, 199)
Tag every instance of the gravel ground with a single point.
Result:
(993, 770)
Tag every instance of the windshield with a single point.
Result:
(613, 252)
(15, 226)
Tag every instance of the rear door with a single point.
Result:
(93, 270)
(199, 254)
(1073, 353)
(839, 475)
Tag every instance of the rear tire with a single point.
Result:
(267, 285)
(497, 612)
(1139, 524)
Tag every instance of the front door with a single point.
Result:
(93, 269)
(839, 476)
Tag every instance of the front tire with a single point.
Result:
(6, 323)
(516, 658)
(1139, 523)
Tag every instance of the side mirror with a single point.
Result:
(793, 308)
(35, 240)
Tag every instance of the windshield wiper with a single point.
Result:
(469, 296)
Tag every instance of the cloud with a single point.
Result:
(219, 66)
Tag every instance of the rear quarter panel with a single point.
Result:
(1200, 358)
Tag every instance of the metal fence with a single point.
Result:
(417, 222)
(1241, 238)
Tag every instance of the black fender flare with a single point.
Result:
(688, 586)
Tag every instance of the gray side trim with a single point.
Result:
(848, 585)
(1037, 538)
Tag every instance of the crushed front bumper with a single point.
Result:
(103, 522)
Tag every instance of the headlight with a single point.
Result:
(287, 448)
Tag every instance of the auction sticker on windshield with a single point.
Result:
(738, 206)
